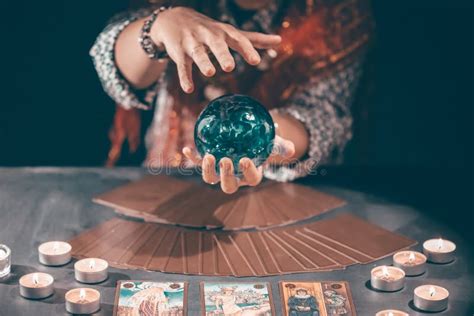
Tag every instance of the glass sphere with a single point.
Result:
(235, 126)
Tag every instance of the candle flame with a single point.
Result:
(432, 291)
(82, 294)
(55, 246)
(385, 271)
(390, 314)
(440, 243)
(35, 278)
(91, 264)
(411, 257)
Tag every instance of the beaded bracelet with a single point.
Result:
(151, 49)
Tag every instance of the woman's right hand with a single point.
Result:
(188, 36)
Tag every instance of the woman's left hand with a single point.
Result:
(251, 175)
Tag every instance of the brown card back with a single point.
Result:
(328, 244)
(168, 200)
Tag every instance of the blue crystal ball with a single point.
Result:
(235, 126)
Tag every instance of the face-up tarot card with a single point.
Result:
(325, 298)
(236, 299)
(137, 298)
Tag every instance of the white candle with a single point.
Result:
(431, 298)
(439, 250)
(36, 285)
(412, 262)
(391, 312)
(5, 261)
(91, 270)
(387, 279)
(54, 253)
(82, 301)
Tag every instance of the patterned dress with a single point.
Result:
(312, 76)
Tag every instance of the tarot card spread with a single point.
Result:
(134, 298)
(324, 298)
(168, 200)
(327, 244)
(236, 299)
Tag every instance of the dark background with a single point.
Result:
(418, 140)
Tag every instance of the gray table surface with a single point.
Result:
(41, 204)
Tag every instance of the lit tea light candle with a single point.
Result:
(5, 261)
(54, 253)
(439, 250)
(91, 270)
(82, 301)
(391, 312)
(412, 262)
(431, 298)
(387, 279)
(36, 285)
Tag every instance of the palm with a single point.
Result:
(251, 175)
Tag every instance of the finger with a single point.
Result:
(220, 49)
(243, 46)
(263, 41)
(192, 155)
(185, 75)
(283, 148)
(209, 174)
(229, 182)
(252, 174)
(183, 65)
(200, 57)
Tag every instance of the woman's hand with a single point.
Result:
(188, 36)
(251, 175)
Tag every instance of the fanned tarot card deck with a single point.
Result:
(328, 244)
(168, 200)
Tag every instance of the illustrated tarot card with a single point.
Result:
(134, 298)
(326, 298)
(236, 298)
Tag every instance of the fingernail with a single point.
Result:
(255, 59)
(209, 72)
(188, 88)
(228, 67)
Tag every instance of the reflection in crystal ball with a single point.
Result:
(235, 126)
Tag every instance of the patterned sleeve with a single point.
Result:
(103, 56)
(323, 106)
